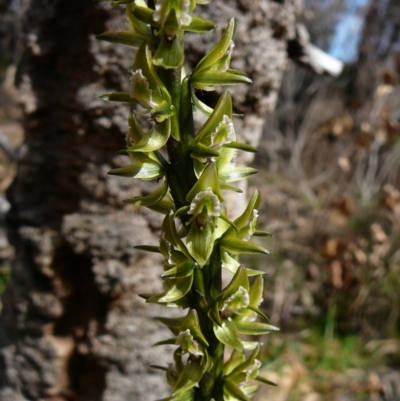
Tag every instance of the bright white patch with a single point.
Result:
(252, 370)
(182, 336)
(252, 226)
(196, 206)
(240, 299)
(168, 247)
(230, 136)
(228, 56)
(187, 343)
(140, 90)
(185, 16)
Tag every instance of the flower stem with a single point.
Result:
(196, 168)
(180, 174)
(211, 385)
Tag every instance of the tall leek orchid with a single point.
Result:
(195, 170)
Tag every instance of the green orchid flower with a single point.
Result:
(180, 325)
(190, 340)
(168, 23)
(180, 8)
(205, 199)
(236, 238)
(239, 374)
(184, 20)
(148, 89)
(235, 308)
(174, 18)
(142, 167)
(138, 33)
(205, 208)
(188, 344)
(162, 29)
(178, 267)
(217, 131)
(213, 69)
(216, 141)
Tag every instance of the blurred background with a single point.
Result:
(329, 173)
(330, 177)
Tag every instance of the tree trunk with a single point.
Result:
(72, 325)
(379, 50)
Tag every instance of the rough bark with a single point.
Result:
(379, 50)
(72, 325)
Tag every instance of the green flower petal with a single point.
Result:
(250, 390)
(266, 381)
(119, 97)
(232, 265)
(148, 248)
(145, 14)
(230, 174)
(226, 187)
(170, 53)
(236, 359)
(228, 334)
(256, 292)
(240, 146)
(232, 392)
(190, 376)
(174, 323)
(178, 290)
(192, 322)
(200, 242)
(208, 179)
(203, 152)
(184, 269)
(238, 246)
(150, 199)
(209, 79)
(223, 107)
(199, 25)
(142, 170)
(126, 38)
(247, 362)
(163, 207)
(179, 10)
(214, 315)
(140, 28)
(259, 312)
(216, 52)
(254, 328)
(247, 215)
(200, 105)
(155, 139)
(143, 62)
(240, 279)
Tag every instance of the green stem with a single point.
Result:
(207, 283)
(171, 78)
(180, 174)
(214, 287)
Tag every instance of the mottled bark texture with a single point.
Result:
(72, 325)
